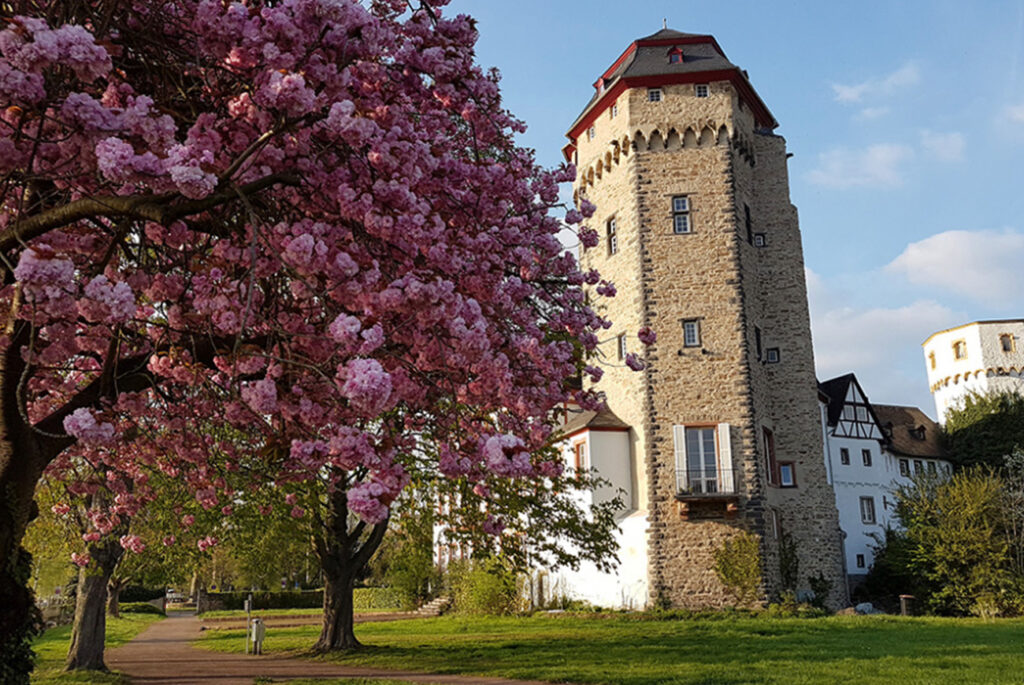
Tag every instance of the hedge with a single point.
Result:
(137, 593)
(364, 599)
(140, 608)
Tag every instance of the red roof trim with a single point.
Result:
(761, 114)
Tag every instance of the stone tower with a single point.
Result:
(697, 232)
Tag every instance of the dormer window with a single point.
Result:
(917, 433)
(675, 56)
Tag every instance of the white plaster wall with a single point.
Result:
(609, 456)
(623, 588)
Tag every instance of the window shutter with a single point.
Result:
(726, 482)
(679, 436)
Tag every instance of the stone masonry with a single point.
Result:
(716, 147)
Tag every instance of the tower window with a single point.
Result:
(654, 94)
(960, 349)
(771, 355)
(860, 561)
(675, 56)
(1006, 342)
(691, 333)
(931, 359)
(757, 342)
(613, 238)
(681, 214)
(700, 90)
(787, 474)
(760, 240)
(867, 509)
(622, 346)
(748, 223)
(591, 132)
(614, 111)
(771, 466)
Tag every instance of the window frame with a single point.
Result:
(861, 561)
(931, 360)
(621, 346)
(654, 95)
(865, 455)
(958, 346)
(1003, 337)
(783, 481)
(758, 343)
(904, 466)
(613, 111)
(703, 478)
(760, 240)
(579, 453)
(868, 515)
(697, 90)
(772, 355)
(918, 467)
(748, 223)
(694, 325)
(591, 133)
(844, 456)
(612, 235)
(685, 213)
(771, 463)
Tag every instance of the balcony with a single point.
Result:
(706, 494)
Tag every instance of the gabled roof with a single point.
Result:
(911, 433)
(839, 390)
(835, 389)
(579, 420)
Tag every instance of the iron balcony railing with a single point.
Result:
(705, 481)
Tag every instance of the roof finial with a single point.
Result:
(664, 23)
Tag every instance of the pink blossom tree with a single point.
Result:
(304, 220)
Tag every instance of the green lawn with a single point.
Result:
(52, 648)
(625, 650)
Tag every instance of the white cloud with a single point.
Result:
(947, 147)
(881, 345)
(1015, 113)
(872, 113)
(982, 265)
(905, 76)
(877, 166)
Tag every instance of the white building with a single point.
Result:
(870, 450)
(983, 356)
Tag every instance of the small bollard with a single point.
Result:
(906, 605)
(259, 633)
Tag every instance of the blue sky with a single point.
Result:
(906, 121)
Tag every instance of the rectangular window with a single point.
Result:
(860, 561)
(867, 509)
(691, 333)
(905, 467)
(862, 413)
(866, 456)
(748, 224)
(771, 466)
(1007, 342)
(918, 467)
(681, 214)
(580, 456)
(654, 94)
(701, 460)
(591, 132)
(848, 413)
(931, 359)
(771, 355)
(931, 468)
(844, 456)
(614, 111)
(700, 90)
(622, 347)
(760, 240)
(773, 520)
(757, 342)
(613, 238)
(675, 57)
(960, 349)
(787, 474)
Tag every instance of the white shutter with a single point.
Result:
(679, 435)
(726, 483)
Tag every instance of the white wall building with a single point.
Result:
(870, 450)
(983, 356)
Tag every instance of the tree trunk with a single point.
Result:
(342, 553)
(114, 587)
(89, 630)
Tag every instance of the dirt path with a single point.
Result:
(162, 655)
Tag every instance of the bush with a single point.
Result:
(986, 428)
(738, 566)
(485, 586)
(364, 599)
(138, 593)
(369, 598)
(141, 608)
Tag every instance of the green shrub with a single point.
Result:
(738, 566)
(986, 428)
(137, 593)
(370, 598)
(363, 598)
(485, 586)
(141, 608)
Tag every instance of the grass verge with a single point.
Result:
(628, 650)
(52, 649)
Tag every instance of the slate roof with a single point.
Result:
(700, 53)
(902, 425)
(578, 420)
